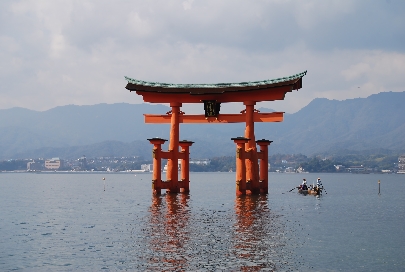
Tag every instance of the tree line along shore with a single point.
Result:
(290, 163)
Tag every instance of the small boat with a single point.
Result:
(309, 191)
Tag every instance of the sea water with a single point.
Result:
(112, 222)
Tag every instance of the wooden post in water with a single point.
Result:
(185, 166)
(263, 155)
(172, 173)
(251, 160)
(157, 164)
(240, 165)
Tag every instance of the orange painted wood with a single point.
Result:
(264, 161)
(166, 154)
(240, 165)
(185, 165)
(252, 168)
(181, 155)
(172, 162)
(157, 165)
(222, 118)
(185, 169)
(264, 171)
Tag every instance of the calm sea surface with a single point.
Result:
(68, 222)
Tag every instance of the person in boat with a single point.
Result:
(318, 183)
(304, 185)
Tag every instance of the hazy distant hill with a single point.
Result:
(118, 129)
(356, 124)
(22, 130)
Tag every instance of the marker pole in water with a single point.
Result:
(379, 187)
(104, 183)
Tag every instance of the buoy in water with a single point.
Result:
(103, 178)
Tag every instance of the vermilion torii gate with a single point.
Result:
(250, 178)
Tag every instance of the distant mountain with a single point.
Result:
(23, 130)
(355, 124)
(327, 126)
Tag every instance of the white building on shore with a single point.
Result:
(53, 164)
(401, 165)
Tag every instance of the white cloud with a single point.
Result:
(77, 52)
(139, 26)
(312, 13)
(378, 67)
(57, 46)
(187, 5)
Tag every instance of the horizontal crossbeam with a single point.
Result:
(222, 118)
(166, 184)
(253, 95)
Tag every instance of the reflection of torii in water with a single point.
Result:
(258, 238)
(248, 178)
(245, 237)
(166, 231)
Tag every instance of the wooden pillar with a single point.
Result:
(264, 162)
(185, 166)
(157, 164)
(252, 167)
(172, 173)
(240, 165)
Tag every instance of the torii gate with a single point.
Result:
(249, 180)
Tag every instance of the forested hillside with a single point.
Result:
(322, 127)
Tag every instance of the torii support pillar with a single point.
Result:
(172, 173)
(263, 155)
(240, 165)
(243, 158)
(157, 155)
(252, 170)
(185, 166)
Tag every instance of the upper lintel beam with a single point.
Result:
(255, 95)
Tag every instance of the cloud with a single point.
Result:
(78, 52)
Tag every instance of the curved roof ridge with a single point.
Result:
(216, 85)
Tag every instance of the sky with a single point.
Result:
(56, 53)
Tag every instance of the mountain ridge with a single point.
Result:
(323, 126)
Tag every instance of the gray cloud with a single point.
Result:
(77, 52)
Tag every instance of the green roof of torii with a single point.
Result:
(139, 83)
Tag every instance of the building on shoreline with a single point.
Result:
(34, 166)
(356, 169)
(401, 165)
(147, 167)
(200, 161)
(53, 164)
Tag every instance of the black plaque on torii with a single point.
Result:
(211, 108)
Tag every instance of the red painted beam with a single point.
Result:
(277, 93)
(222, 118)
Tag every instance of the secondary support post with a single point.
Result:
(157, 165)
(185, 166)
(243, 157)
(263, 155)
(240, 165)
